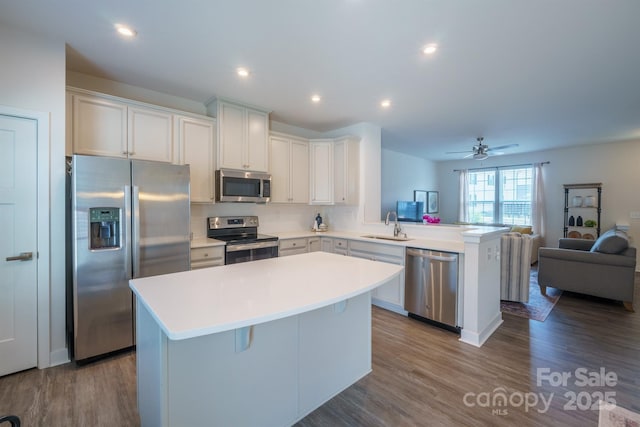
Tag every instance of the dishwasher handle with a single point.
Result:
(422, 254)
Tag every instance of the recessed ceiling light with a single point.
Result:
(315, 98)
(243, 72)
(123, 30)
(430, 49)
(385, 103)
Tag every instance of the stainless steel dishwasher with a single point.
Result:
(431, 287)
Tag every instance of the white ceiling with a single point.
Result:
(542, 74)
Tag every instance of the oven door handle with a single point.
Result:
(249, 246)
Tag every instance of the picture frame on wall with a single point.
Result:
(421, 196)
(432, 202)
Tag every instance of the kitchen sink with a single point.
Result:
(384, 237)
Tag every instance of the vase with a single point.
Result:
(577, 201)
(572, 221)
(579, 221)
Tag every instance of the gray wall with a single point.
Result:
(401, 174)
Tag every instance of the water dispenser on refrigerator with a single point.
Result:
(105, 228)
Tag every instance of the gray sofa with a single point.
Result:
(604, 268)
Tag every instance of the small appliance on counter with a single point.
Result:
(242, 238)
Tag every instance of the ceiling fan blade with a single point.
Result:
(459, 152)
(502, 147)
(469, 155)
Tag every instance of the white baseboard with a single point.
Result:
(59, 357)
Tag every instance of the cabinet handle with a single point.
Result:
(206, 255)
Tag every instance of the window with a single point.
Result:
(500, 196)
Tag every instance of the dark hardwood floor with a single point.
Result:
(422, 376)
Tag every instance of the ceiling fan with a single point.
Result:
(482, 151)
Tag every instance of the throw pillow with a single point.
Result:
(522, 229)
(611, 242)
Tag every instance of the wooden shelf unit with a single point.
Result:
(597, 190)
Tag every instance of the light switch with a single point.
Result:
(634, 215)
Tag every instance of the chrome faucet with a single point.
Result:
(396, 228)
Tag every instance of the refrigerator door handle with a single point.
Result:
(127, 221)
(135, 242)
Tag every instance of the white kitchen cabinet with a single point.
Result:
(326, 244)
(346, 167)
(99, 126)
(321, 172)
(150, 134)
(341, 246)
(242, 137)
(289, 168)
(391, 294)
(296, 246)
(204, 257)
(107, 126)
(195, 137)
(314, 244)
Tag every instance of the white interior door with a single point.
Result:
(18, 244)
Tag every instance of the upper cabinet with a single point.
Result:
(334, 171)
(196, 138)
(289, 166)
(150, 134)
(346, 168)
(321, 171)
(103, 126)
(242, 136)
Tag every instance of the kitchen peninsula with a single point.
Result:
(260, 343)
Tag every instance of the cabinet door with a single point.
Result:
(150, 135)
(326, 244)
(99, 127)
(299, 175)
(231, 132)
(314, 244)
(279, 161)
(339, 173)
(196, 141)
(321, 172)
(257, 156)
(346, 158)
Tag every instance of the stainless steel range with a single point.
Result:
(243, 241)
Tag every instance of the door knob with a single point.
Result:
(24, 256)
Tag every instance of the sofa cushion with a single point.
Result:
(611, 242)
(521, 229)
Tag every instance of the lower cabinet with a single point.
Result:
(211, 256)
(314, 244)
(296, 246)
(390, 295)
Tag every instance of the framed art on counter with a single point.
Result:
(432, 202)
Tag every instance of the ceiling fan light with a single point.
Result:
(480, 156)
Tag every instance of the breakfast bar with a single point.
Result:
(259, 343)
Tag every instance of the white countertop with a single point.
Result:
(206, 242)
(211, 300)
(413, 242)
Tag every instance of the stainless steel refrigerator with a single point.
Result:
(128, 219)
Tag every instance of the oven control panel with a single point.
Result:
(217, 222)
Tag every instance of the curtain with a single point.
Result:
(463, 208)
(537, 200)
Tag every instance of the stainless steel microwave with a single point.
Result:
(242, 186)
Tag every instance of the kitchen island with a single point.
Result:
(259, 343)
